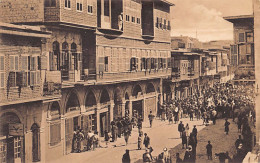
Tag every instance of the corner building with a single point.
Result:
(103, 60)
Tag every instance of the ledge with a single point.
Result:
(110, 30)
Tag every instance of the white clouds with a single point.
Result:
(203, 16)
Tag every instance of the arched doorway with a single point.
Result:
(55, 124)
(167, 94)
(72, 123)
(90, 120)
(35, 142)
(137, 104)
(150, 102)
(104, 114)
(118, 104)
(12, 144)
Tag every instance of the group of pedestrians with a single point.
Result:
(84, 142)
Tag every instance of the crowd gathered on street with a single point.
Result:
(222, 101)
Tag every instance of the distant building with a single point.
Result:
(242, 52)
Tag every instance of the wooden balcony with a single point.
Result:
(132, 76)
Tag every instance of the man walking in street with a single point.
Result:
(146, 140)
(209, 150)
(180, 128)
(151, 117)
(227, 126)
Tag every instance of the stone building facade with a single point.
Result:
(103, 60)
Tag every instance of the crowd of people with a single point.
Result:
(221, 101)
(227, 101)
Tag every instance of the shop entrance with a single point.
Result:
(138, 108)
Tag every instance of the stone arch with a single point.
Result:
(104, 96)
(90, 99)
(127, 97)
(150, 88)
(136, 89)
(54, 110)
(56, 46)
(118, 95)
(6, 118)
(72, 102)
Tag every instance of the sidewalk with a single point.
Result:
(161, 134)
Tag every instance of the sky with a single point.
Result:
(206, 17)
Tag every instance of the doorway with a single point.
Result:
(35, 142)
(138, 108)
(103, 123)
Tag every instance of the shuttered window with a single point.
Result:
(55, 133)
(2, 73)
(13, 74)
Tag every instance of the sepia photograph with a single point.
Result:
(129, 81)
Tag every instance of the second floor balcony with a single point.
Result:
(132, 75)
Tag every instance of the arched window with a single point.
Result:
(7, 118)
(73, 47)
(65, 46)
(90, 99)
(72, 103)
(136, 90)
(150, 88)
(104, 96)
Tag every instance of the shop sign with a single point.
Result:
(16, 129)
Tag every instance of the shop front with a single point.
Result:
(12, 139)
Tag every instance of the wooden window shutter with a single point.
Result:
(16, 62)
(2, 79)
(24, 63)
(11, 79)
(2, 64)
(101, 64)
(19, 79)
(11, 62)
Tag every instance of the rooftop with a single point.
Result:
(238, 17)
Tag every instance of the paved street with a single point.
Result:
(162, 135)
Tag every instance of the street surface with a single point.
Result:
(162, 135)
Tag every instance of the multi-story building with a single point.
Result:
(21, 91)
(242, 51)
(185, 67)
(104, 58)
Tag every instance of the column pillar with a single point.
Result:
(63, 133)
(123, 108)
(98, 118)
(130, 109)
(112, 105)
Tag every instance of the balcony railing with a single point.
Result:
(132, 75)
